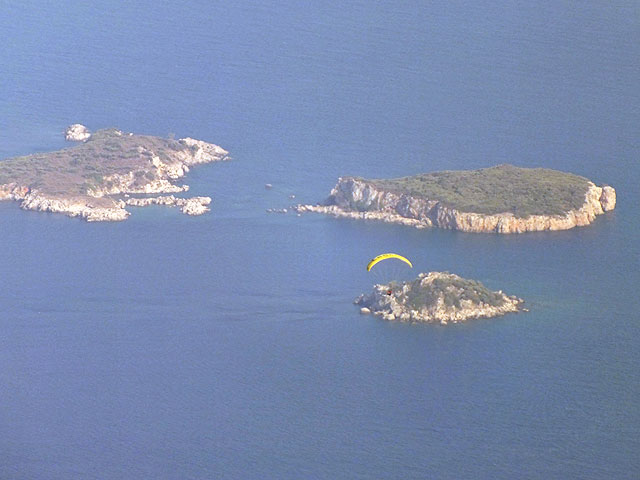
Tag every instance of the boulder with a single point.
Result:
(77, 133)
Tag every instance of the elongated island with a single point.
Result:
(108, 171)
(437, 297)
(501, 199)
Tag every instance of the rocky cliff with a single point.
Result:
(362, 199)
(437, 297)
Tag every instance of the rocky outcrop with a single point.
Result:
(195, 206)
(75, 207)
(102, 209)
(202, 152)
(77, 133)
(437, 297)
(161, 173)
(355, 198)
(128, 183)
(382, 216)
(13, 191)
(188, 206)
(608, 198)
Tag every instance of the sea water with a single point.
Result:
(227, 345)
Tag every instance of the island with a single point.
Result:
(437, 297)
(501, 199)
(107, 171)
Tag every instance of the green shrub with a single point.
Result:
(452, 290)
(504, 188)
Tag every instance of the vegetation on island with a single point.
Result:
(452, 289)
(75, 170)
(437, 297)
(499, 189)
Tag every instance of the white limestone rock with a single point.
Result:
(110, 211)
(188, 206)
(196, 206)
(77, 133)
(608, 198)
(203, 152)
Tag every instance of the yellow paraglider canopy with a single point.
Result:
(385, 256)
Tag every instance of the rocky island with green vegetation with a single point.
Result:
(502, 199)
(437, 297)
(106, 172)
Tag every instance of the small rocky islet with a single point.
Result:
(437, 297)
(500, 199)
(95, 180)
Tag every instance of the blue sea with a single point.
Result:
(227, 346)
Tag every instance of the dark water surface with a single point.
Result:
(226, 346)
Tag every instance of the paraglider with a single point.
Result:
(393, 268)
(386, 256)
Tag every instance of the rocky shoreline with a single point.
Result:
(106, 200)
(387, 206)
(437, 297)
(188, 206)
